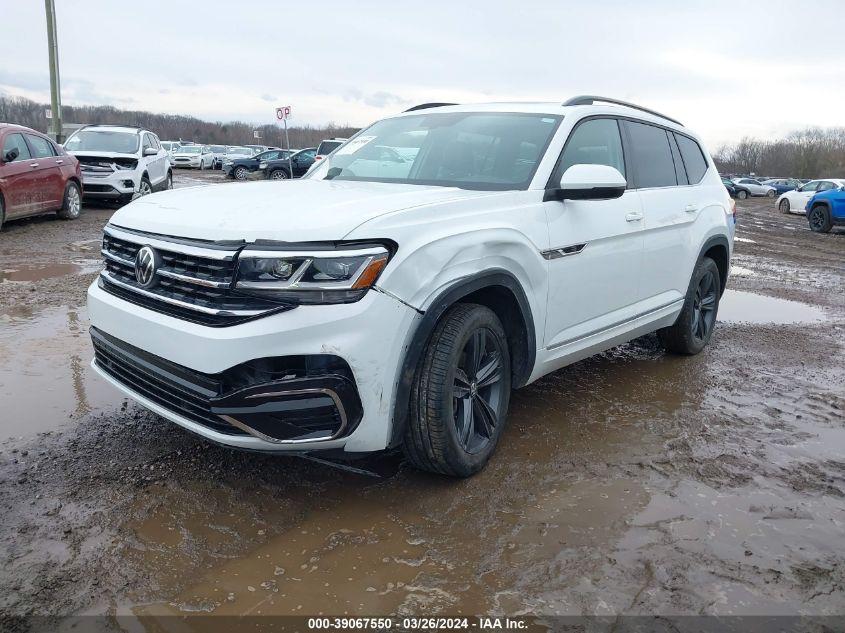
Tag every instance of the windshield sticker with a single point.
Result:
(354, 145)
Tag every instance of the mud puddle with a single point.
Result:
(39, 273)
(737, 306)
(45, 378)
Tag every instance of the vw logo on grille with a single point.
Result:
(146, 264)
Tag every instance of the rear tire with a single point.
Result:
(771, 194)
(742, 194)
(784, 206)
(819, 219)
(2, 213)
(278, 174)
(72, 202)
(695, 324)
(460, 395)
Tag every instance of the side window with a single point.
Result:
(811, 186)
(825, 185)
(15, 141)
(41, 147)
(693, 157)
(593, 142)
(148, 144)
(155, 142)
(651, 156)
(680, 172)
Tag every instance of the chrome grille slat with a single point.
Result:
(188, 280)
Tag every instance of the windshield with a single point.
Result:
(472, 150)
(218, 149)
(103, 141)
(191, 149)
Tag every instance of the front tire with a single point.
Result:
(694, 326)
(241, 173)
(742, 194)
(784, 206)
(168, 183)
(819, 219)
(461, 393)
(72, 202)
(146, 188)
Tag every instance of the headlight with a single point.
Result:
(311, 277)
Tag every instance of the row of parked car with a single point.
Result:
(821, 200)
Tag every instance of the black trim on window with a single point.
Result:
(554, 179)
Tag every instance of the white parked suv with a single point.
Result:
(352, 313)
(795, 201)
(120, 163)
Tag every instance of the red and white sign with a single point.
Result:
(283, 113)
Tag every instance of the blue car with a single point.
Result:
(783, 184)
(827, 209)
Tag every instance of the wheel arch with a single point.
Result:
(718, 249)
(497, 289)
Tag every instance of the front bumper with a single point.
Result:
(368, 337)
(112, 186)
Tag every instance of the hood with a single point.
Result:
(292, 211)
(102, 155)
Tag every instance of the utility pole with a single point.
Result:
(55, 86)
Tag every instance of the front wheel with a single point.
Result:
(168, 183)
(146, 188)
(278, 174)
(694, 326)
(819, 219)
(72, 203)
(784, 206)
(241, 173)
(461, 393)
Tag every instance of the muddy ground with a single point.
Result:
(633, 482)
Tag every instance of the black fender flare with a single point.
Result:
(821, 201)
(718, 240)
(442, 302)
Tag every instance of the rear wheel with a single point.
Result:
(784, 206)
(819, 219)
(72, 203)
(694, 327)
(461, 393)
(771, 193)
(278, 174)
(2, 214)
(742, 194)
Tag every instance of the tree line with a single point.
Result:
(171, 127)
(809, 153)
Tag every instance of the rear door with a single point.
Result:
(596, 245)
(17, 178)
(668, 168)
(50, 182)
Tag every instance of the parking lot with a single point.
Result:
(631, 482)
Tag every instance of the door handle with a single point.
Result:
(634, 216)
(691, 208)
(59, 161)
(33, 164)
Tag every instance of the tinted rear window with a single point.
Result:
(651, 156)
(327, 147)
(693, 158)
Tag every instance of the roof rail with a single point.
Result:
(425, 106)
(591, 99)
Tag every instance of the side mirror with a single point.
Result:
(150, 151)
(589, 182)
(11, 155)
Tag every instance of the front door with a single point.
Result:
(20, 183)
(596, 249)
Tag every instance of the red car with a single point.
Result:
(36, 176)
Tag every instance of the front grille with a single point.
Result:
(192, 283)
(171, 386)
(88, 188)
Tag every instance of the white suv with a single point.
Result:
(396, 295)
(120, 163)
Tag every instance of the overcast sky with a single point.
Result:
(725, 69)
